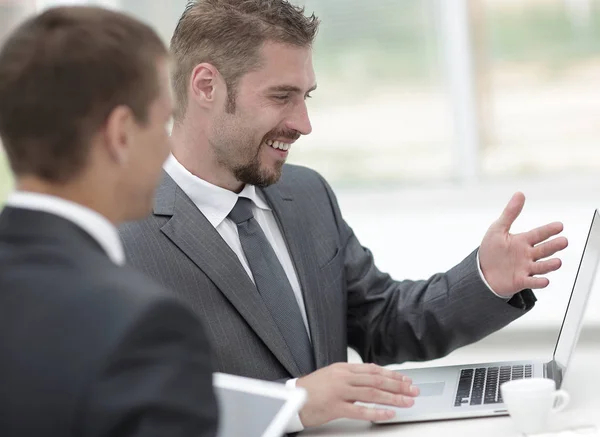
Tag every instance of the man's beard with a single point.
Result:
(252, 173)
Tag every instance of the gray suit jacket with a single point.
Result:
(349, 302)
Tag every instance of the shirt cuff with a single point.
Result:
(295, 424)
(486, 282)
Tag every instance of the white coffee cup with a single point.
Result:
(531, 400)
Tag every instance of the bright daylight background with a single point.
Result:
(431, 113)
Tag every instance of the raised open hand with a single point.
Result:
(511, 263)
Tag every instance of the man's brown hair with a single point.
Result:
(229, 34)
(61, 74)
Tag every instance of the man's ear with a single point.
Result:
(119, 133)
(205, 84)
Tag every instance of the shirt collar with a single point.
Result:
(214, 202)
(96, 225)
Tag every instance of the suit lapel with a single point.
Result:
(296, 236)
(189, 230)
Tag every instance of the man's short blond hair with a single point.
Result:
(229, 34)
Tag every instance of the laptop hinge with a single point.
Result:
(553, 371)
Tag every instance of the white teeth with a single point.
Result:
(278, 145)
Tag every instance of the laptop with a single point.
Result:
(473, 390)
(254, 408)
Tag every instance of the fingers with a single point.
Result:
(374, 369)
(511, 211)
(374, 384)
(383, 383)
(373, 395)
(536, 236)
(535, 283)
(361, 412)
(547, 266)
(334, 391)
(549, 248)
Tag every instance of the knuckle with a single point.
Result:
(364, 412)
(406, 401)
(334, 368)
(338, 372)
(373, 393)
(378, 381)
(383, 414)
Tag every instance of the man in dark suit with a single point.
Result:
(88, 346)
(261, 250)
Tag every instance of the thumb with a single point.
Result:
(511, 212)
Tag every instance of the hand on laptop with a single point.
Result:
(333, 390)
(510, 263)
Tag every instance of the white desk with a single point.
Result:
(582, 382)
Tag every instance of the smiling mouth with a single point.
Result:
(279, 145)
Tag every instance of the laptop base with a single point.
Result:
(462, 391)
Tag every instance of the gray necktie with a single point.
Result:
(273, 284)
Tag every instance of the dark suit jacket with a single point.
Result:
(88, 348)
(349, 302)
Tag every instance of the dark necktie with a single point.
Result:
(273, 284)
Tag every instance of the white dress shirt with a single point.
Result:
(216, 203)
(96, 225)
(486, 282)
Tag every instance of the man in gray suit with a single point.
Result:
(261, 250)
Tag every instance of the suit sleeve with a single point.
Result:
(158, 381)
(393, 321)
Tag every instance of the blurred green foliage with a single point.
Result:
(399, 39)
(543, 34)
(387, 40)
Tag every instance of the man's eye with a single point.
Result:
(281, 98)
(308, 96)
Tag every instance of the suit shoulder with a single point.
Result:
(120, 291)
(299, 171)
(140, 303)
(133, 287)
(130, 230)
(128, 297)
(96, 300)
(297, 174)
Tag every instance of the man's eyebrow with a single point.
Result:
(290, 89)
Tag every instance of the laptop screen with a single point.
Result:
(584, 281)
(253, 408)
(245, 414)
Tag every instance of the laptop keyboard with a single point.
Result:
(482, 385)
